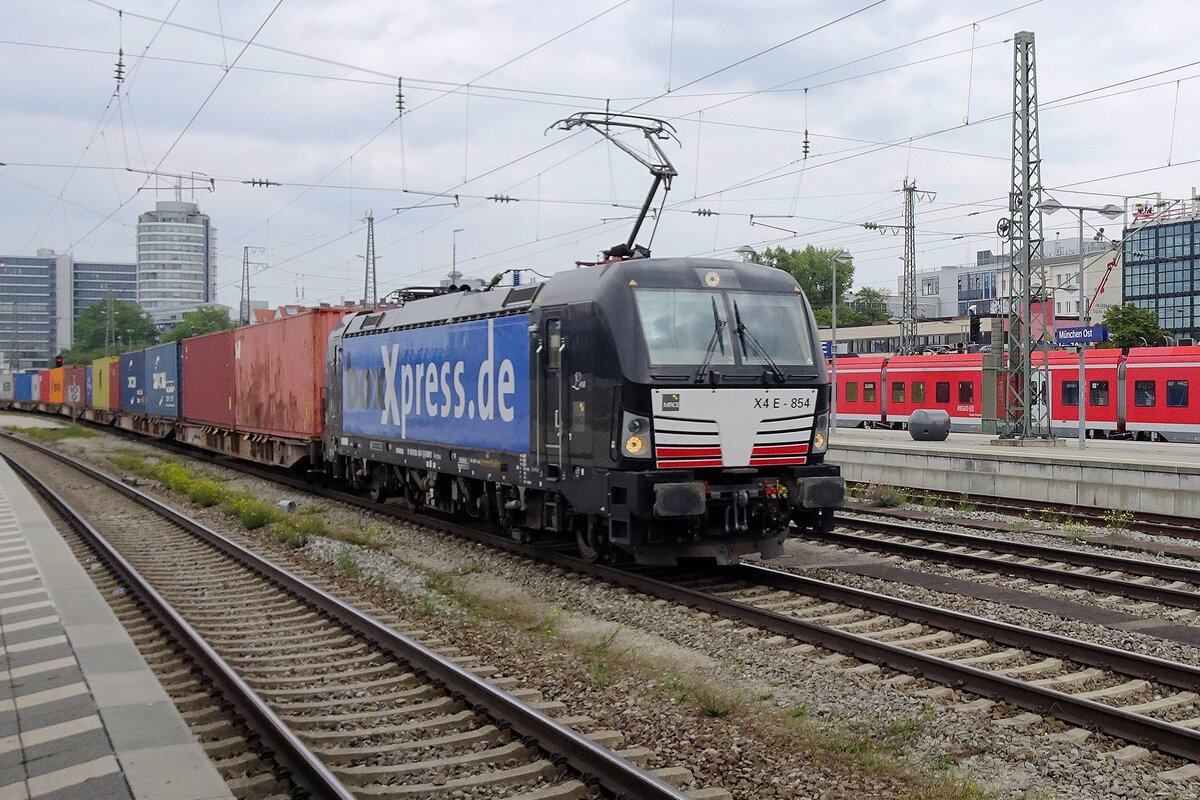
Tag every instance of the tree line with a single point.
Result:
(132, 329)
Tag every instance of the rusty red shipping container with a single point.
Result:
(280, 367)
(75, 386)
(209, 379)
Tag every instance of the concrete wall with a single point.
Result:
(1016, 473)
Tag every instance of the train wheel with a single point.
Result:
(591, 539)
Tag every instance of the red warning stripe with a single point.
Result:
(687, 452)
(774, 461)
(780, 450)
(690, 464)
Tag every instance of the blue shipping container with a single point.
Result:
(461, 384)
(133, 380)
(164, 365)
(88, 401)
(23, 388)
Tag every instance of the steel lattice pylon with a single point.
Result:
(908, 313)
(1025, 374)
(370, 290)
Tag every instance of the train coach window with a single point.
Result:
(943, 391)
(1177, 394)
(1098, 393)
(852, 392)
(898, 392)
(918, 391)
(966, 392)
(1070, 393)
(1143, 393)
(869, 392)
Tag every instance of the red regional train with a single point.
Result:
(1144, 393)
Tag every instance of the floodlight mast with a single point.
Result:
(660, 166)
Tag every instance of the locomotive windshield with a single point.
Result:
(685, 326)
(679, 325)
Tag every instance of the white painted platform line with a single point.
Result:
(72, 776)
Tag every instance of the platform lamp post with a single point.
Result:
(1109, 211)
(840, 257)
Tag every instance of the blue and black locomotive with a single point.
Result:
(659, 408)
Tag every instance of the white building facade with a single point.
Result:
(177, 260)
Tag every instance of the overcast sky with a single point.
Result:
(916, 88)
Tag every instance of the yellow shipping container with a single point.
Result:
(101, 383)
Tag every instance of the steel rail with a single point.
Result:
(1075, 580)
(613, 773)
(304, 768)
(1079, 558)
(1154, 524)
(1171, 739)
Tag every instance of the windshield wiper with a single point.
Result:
(716, 339)
(742, 331)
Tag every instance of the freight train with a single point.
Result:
(1142, 393)
(653, 409)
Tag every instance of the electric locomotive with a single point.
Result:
(656, 408)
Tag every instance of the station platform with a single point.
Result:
(81, 715)
(1154, 478)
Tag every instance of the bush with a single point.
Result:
(254, 513)
(174, 476)
(205, 492)
(885, 496)
(129, 460)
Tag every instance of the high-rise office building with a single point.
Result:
(41, 297)
(176, 260)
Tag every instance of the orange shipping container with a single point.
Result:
(101, 378)
(57, 382)
(280, 372)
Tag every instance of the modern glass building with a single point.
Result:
(41, 297)
(176, 259)
(1161, 272)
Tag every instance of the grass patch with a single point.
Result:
(599, 661)
(1076, 532)
(346, 563)
(930, 500)
(130, 460)
(366, 536)
(798, 712)
(885, 496)
(206, 493)
(253, 513)
(1117, 519)
(965, 504)
(51, 435)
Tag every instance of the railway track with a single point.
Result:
(1151, 524)
(347, 706)
(1125, 695)
(1128, 696)
(1136, 579)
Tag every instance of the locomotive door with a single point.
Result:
(552, 411)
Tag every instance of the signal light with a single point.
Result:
(58, 361)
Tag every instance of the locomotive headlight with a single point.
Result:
(820, 433)
(634, 435)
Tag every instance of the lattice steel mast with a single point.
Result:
(908, 298)
(244, 306)
(1026, 415)
(370, 288)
